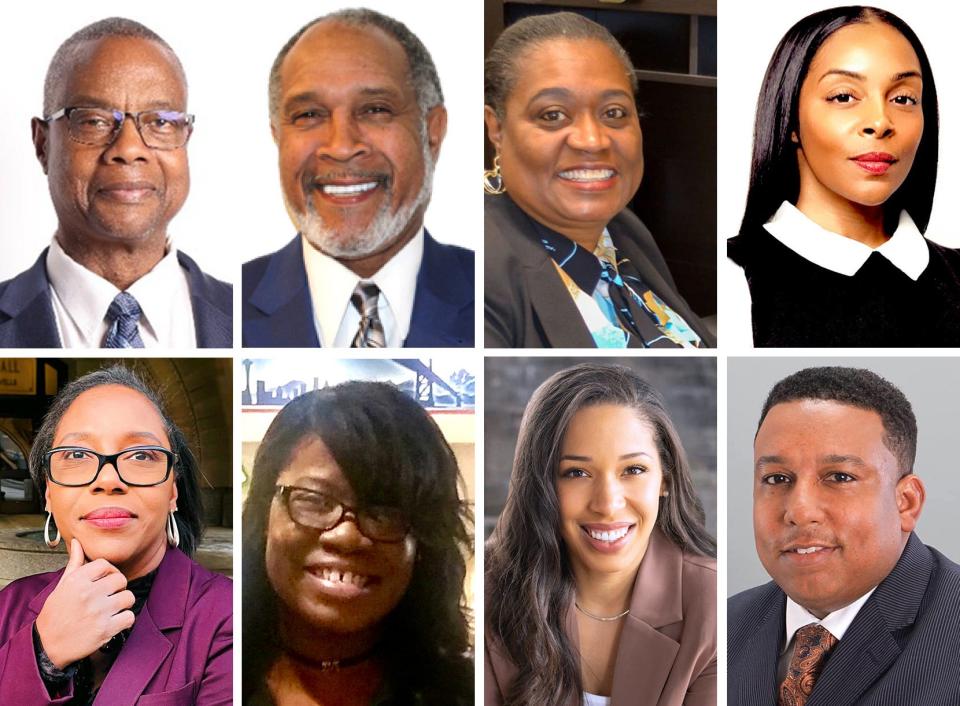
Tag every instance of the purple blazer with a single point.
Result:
(179, 652)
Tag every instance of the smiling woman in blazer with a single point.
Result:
(131, 619)
(566, 264)
(600, 577)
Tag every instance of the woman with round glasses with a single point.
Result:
(355, 539)
(131, 616)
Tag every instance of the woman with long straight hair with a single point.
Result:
(600, 577)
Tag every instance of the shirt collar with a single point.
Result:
(836, 622)
(86, 296)
(906, 249)
(331, 284)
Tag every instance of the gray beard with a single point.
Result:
(385, 227)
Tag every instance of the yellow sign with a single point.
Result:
(18, 376)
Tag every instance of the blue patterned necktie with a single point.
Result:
(370, 334)
(123, 317)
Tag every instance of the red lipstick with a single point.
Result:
(874, 162)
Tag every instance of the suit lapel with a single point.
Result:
(283, 296)
(26, 301)
(212, 317)
(137, 662)
(443, 299)
(868, 648)
(559, 317)
(758, 678)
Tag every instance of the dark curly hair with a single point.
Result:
(858, 388)
(392, 453)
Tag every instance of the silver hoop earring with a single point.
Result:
(46, 533)
(173, 532)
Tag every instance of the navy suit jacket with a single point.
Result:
(278, 312)
(27, 319)
(901, 648)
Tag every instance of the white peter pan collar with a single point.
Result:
(906, 249)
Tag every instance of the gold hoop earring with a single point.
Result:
(46, 533)
(492, 179)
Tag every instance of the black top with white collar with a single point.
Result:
(797, 303)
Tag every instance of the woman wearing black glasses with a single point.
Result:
(131, 616)
(355, 538)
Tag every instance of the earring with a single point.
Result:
(46, 533)
(173, 532)
(492, 180)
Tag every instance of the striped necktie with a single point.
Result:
(123, 315)
(370, 333)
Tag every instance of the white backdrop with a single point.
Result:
(235, 210)
(748, 34)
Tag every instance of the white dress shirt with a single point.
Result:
(595, 699)
(906, 250)
(836, 623)
(81, 298)
(331, 285)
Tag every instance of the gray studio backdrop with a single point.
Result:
(932, 386)
(689, 387)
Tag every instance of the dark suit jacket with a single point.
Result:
(901, 648)
(526, 304)
(180, 651)
(27, 319)
(278, 312)
(667, 654)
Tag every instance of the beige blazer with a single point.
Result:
(668, 648)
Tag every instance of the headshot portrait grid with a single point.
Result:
(600, 514)
(115, 536)
(358, 531)
(843, 589)
(835, 207)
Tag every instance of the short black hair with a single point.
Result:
(189, 514)
(65, 57)
(774, 174)
(860, 388)
(392, 453)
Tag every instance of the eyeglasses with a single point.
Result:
(159, 129)
(141, 466)
(323, 512)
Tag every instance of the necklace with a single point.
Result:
(600, 617)
(330, 665)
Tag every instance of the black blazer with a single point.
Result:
(900, 649)
(278, 311)
(526, 304)
(27, 319)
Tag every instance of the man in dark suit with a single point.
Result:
(112, 143)
(859, 610)
(357, 114)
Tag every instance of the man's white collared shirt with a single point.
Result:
(836, 623)
(81, 299)
(331, 285)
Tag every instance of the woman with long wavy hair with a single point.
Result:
(600, 576)
(355, 540)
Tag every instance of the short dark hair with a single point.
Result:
(423, 72)
(774, 174)
(392, 453)
(500, 69)
(189, 515)
(64, 57)
(859, 388)
(528, 575)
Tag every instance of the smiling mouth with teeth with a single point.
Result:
(348, 189)
(587, 174)
(337, 576)
(608, 536)
(808, 550)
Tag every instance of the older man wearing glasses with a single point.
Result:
(112, 143)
